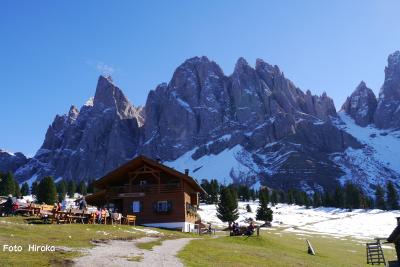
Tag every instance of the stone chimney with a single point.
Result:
(187, 172)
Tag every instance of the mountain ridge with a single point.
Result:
(279, 135)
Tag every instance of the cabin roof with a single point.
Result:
(117, 176)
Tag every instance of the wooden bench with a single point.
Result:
(129, 219)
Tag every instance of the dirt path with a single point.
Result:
(125, 253)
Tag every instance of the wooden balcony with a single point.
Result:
(142, 190)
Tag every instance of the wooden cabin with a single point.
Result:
(159, 196)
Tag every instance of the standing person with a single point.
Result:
(83, 204)
(8, 205)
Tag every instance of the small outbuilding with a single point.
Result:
(157, 195)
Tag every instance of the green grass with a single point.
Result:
(276, 248)
(149, 245)
(17, 231)
(135, 258)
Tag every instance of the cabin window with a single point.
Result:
(163, 206)
(143, 182)
(136, 206)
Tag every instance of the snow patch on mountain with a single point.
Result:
(376, 162)
(227, 164)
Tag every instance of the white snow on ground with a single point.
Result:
(385, 143)
(212, 166)
(361, 224)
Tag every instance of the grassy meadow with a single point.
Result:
(70, 237)
(278, 248)
(274, 247)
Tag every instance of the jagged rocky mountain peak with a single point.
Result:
(73, 113)
(109, 97)
(10, 162)
(361, 105)
(264, 127)
(387, 114)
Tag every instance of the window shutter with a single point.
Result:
(141, 206)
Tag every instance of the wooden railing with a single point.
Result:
(151, 188)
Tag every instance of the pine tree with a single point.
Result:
(290, 197)
(380, 198)
(82, 188)
(227, 206)
(25, 189)
(274, 198)
(317, 202)
(61, 190)
(7, 185)
(34, 188)
(263, 212)
(71, 188)
(307, 201)
(47, 192)
(352, 196)
(244, 192)
(338, 197)
(90, 188)
(17, 190)
(214, 189)
(252, 194)
(392, 196)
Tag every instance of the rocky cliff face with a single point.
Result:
(387, 113)
(361, 105)
(204, 111)
(255, 124)
(10, 162)
(88, 142)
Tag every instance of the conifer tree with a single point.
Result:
(90, 188)
(25, 189)
(317, 202)
(264, 213)
(214, 189)
(227, 206)
(274, 198)
(17, 190)
(380, 198)
(47, 192)
(307, 201)
(71, 188)
(338, 197)
(7, 185)
(352, 196)
(290, 197)
(34, 188)
(392, 198)
(61, 190)
(82, 188)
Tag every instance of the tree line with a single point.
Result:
(45, 190)
(349, 196)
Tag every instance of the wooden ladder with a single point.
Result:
(375, 253)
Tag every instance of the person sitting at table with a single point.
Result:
(98, 214)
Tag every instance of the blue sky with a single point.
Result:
(51, 52)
